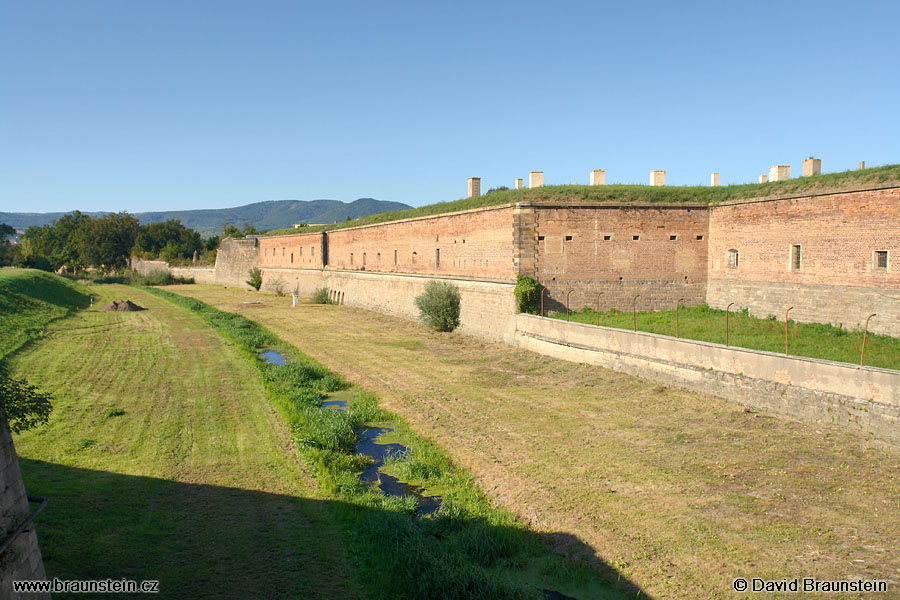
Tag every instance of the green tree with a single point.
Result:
(106, 242)
(22, 404)
(170, 237)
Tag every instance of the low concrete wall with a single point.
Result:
(487, 308)
(234, 260)
(146, 267)
(862, 398)
(198, 274)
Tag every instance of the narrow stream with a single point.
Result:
(368, 446)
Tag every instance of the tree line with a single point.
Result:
(78, 241)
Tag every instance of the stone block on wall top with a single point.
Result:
(811, 166)
(763, 178)
(474, 187)
(779, 172)
(535, 179)
(598, 177)
(657, 178)
(714, 180)
(519, 183)
(862, 165)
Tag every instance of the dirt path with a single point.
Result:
(683, 493)
(164, 460)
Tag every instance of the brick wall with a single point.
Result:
(838, 279)
(591, 250)
(22, 559)
(298, 251)
(477, 244)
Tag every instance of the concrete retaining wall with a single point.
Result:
(863, 398)
(22, 559)
(487, 308)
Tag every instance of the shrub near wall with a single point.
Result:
(439, 306)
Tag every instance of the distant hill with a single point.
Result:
(274, 214)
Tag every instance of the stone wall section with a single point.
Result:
(487, 309)
(22, 559)
(866, 399)
(615, 252)
(292, 250)
(234, 260)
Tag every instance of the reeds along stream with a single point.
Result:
(368, 445)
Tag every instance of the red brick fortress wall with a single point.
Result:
(592, 250)
(476, 244)
(838, 279)
(304, 251)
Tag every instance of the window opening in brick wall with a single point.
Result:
(699, 238)
(796, 259)
(437, 258)
(292, 258)
(568, 238)
(606, 238)
(300, 251)
(265, 251)
(395, 258)
(364, 259)
(378, 258)
(351, 259)
(540, 238)
(881, 259)
(282, 251)
(733, 259)
(414, 257)
(673, 238)
(312, 250)
(635, 237)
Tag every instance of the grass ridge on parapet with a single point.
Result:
(467, 550)
(630, 194)
(29, 300)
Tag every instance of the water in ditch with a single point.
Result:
(368, 446)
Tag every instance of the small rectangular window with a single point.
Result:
(672, 238)
(437, 258)
(881, 259)
(796, 259)
(395, 258)
(265, 251)
(733, 259)
(699, 238)
(300, 251)
(635, 237)
(606, 238)
(312, 250)
(540, 239)
(568, 238)
(282, 251)
(292, 257)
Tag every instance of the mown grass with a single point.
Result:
(162, 459)
(631, 194)
(674, 491)
(467, 550)
(814, 340)
(32, 299)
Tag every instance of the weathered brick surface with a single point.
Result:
(573, 253)
(293, 250)
(838, 280)
(477, 244)
(22, 559)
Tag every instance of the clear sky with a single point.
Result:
(161, 105)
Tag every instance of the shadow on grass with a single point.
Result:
(208, 541)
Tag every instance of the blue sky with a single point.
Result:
(156, 105)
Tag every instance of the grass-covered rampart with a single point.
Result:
(814, 340)
(466, 550)
(30, 300)
(632, 194)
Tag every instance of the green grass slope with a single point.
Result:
(30, 300)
